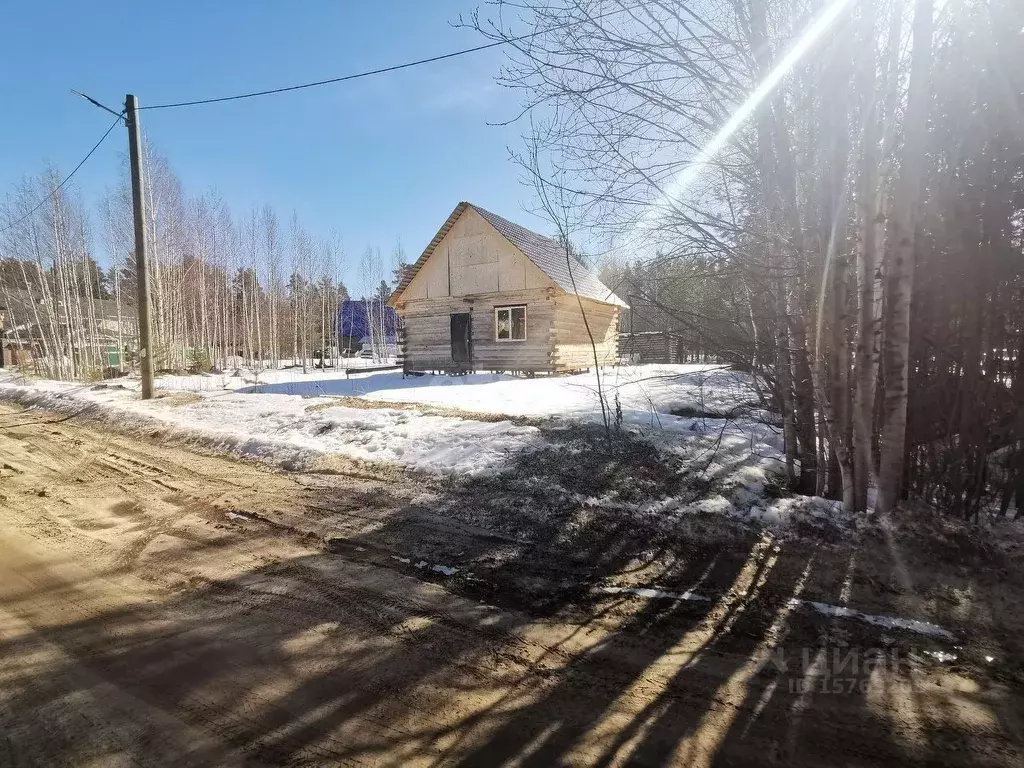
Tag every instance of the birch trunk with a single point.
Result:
(899, 272)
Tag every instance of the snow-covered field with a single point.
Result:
(284, 430)
(288, 418)
(645, 392)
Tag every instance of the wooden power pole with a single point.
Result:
(131, 118)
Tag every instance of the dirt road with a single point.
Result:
(161, 607)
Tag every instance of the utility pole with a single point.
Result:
(3, 317)
(131, 118)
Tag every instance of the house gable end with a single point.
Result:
(467, 257)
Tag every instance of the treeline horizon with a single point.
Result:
(223, 286)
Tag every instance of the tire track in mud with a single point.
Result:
(279, 649)
(296, 600)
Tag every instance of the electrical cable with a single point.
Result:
(66, 178)
(382, 70)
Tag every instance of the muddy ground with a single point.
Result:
(160, 606)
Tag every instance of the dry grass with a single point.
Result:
(178, 399)
(430, 410)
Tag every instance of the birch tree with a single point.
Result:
(899, 272)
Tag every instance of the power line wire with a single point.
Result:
(93, 101)
(341, 79)
(66, 178)
(383, 70)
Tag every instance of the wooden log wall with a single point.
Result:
(650, 347)
(573, 350)
(426, 345)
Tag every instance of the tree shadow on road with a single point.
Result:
(355, 654)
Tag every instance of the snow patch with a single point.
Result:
(647, 393)
(941, 656)
(279, 429)
(889, 622)
(436, 568)
(653, 594)
(747, 507)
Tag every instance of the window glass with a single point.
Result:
(518, 322)
(510, 323)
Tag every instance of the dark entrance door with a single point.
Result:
(462, 337)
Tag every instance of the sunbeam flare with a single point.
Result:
(678, 186)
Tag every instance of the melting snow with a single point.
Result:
(646, 392)
(652, 593)
(941, 656)
(891, 622)
(443, 569)
(278, 428)
(266, 417)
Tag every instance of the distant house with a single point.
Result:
(362, 321)
(32, 327)
(16, 353)
(488, 294)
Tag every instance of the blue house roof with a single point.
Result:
(353, 319)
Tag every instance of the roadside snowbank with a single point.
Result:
(730, 464)
(282, 430)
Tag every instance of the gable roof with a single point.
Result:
(546, 253)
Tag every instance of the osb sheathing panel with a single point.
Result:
(473, 258)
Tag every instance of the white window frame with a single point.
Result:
(509, 309)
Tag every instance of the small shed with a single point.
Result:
(488, 294)
(17, 354)
(651, 347)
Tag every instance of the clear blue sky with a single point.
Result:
(377, 159)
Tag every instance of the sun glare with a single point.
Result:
(685, 178)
